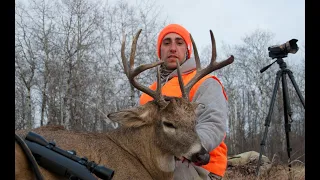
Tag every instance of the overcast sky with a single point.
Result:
(230, 20)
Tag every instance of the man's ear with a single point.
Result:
(128, 117)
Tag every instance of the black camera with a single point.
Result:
(280, 51)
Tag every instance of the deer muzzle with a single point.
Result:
(201, 158)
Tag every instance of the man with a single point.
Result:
(174, 42)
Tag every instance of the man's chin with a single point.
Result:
(171, 66)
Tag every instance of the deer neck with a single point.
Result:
(160, 165)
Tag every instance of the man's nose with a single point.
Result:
(173, 47)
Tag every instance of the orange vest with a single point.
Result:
(218, 156)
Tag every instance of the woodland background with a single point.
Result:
(68, 71)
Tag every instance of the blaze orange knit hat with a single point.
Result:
(175, 28)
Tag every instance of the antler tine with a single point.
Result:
(183, 92)
(213, 62)
(158, 80)
(213, 46)
(210, 68)
(123, 56)
(132, 73)
(196, 55)
(133, 48)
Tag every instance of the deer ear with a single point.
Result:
(128, 118)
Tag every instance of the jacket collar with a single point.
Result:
(187, 67)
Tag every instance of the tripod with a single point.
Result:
(286, 104)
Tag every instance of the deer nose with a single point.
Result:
(201, 158)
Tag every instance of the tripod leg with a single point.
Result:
(296, 87)
(268, 119)
(287, 112)
(286, 100)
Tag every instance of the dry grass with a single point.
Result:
(276, 172)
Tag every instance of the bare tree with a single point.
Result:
(25, 62)
(77, 76)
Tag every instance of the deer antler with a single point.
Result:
(132, 73)
(202, 72)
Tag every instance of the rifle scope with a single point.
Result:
(99, 170)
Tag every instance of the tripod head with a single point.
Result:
(279, 60)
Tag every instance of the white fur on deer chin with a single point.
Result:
(166, 163)
(193, 149)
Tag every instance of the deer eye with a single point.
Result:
(169, 125)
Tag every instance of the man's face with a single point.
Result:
(173, 47)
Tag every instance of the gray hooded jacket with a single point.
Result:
(212, 113)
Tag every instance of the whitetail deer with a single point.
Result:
(150, 139)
